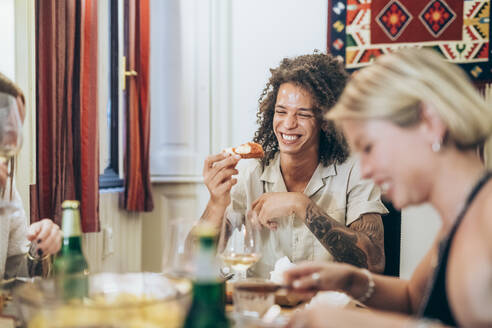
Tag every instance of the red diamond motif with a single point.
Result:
(393, 19)
(437, 16)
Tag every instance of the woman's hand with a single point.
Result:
(314, 276)
(47, 235)
(217, 174)
(272, 205)
(319, 316)
(322, 315)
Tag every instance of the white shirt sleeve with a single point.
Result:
(363, 196)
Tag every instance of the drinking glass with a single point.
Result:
(239, 246)
(10, 135)
(253, 296)
(177, 257)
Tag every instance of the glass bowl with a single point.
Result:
(129, 300)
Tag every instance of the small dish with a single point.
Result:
(253, 296)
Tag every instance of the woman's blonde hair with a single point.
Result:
(9, 87)
(396, 85)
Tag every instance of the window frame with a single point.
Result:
(111, 177)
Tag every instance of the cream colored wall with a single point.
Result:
(24, 32)
(181, 102)
(132, 242)
(118, 246)
(419, 226)
(179, 202)
(7, 55)
(240, 55)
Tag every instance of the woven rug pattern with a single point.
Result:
(361, 30)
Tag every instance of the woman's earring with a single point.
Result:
(436, 146)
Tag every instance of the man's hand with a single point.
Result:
(217, 174)
(273, 205)
(47, 235)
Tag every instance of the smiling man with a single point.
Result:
(306, 192)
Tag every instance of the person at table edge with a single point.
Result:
(307, 193)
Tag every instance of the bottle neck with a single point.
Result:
(71, 223)
(72, 233)
(206, 264)
(72, 245)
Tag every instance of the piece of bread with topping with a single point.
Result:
(247, 150)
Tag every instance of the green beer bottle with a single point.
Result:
(70, 266)
(208, 306)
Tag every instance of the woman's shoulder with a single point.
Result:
(478, 219)
(483, 206)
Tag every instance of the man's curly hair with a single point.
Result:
(324, 78)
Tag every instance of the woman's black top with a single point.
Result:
(435, 303)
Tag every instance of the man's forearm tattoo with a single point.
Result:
(342, 244)
(372, 227)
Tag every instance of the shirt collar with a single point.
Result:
(272, 174)
(318, 179)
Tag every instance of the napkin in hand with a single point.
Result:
(331, 298)
(282, 264)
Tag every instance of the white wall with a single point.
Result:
(419, 227)
(7, 45)
(179, 88)
(264, 32)
(246, 38)
(118, 246)
(23, 35)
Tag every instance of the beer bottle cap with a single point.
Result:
(74, 204)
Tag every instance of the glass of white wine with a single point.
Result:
(239, 246)
(10, 136)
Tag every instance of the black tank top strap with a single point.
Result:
(476, 189)
(435, 303)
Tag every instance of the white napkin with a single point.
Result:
(330, 298)
(282, 264)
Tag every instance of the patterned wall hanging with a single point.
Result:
(360, 30)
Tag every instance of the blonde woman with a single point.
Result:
(416, 123)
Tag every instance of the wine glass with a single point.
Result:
(239, 245)
(10, 135)
(177, 257)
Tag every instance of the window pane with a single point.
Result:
(103, 83)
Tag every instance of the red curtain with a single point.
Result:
(67, 159)
(88, 179)
(138, 192)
